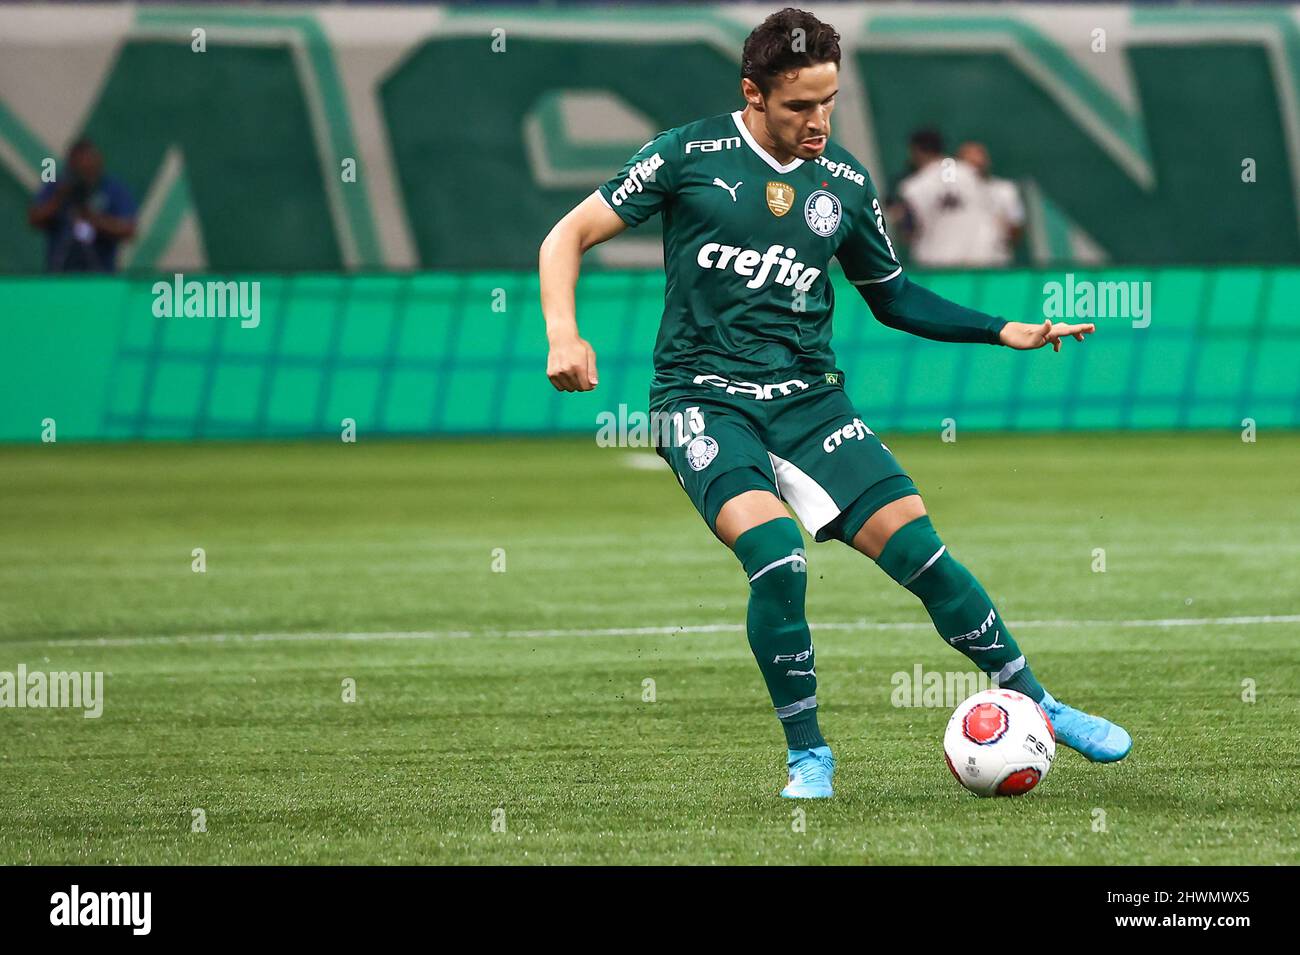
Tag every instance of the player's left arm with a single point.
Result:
(901, 303)
(867, 256)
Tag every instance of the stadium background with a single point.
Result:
(539, 628)
(406, 300)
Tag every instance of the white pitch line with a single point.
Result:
(289, 637)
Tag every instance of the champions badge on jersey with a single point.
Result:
(822, 213)
(780, 197)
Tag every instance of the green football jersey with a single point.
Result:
(747, 246)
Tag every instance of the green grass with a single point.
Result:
(469, 712)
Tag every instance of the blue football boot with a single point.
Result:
(811, 771)
(1095, 738)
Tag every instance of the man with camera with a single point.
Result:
(84, 214)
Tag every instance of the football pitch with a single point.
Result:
(547, 654)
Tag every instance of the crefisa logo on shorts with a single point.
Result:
(701, 452)
(855, 430)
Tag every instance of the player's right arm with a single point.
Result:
(571, 361)
(642, 188)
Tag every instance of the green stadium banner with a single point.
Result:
(318, 138)
(445, 354)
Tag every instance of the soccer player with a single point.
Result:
(754, 204)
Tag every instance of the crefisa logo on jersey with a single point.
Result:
(822, 213)
(638, 175)
(842, 170)
(701, 452)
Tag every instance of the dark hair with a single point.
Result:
(774, 48)
(927, 140)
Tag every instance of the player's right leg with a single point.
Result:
(726, 472)
(758, 529)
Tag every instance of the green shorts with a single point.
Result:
(800, 438)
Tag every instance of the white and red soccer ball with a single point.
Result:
(999, 743)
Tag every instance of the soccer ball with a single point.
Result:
(999, 743)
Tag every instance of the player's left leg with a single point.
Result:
(844, 483)
(901, 539)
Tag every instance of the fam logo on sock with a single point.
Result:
(983, 628)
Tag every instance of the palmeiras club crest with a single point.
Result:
(700, 452)
(822, 212)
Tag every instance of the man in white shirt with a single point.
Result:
(951, 215)
(1007, 227)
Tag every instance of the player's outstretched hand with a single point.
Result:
(571, 365)
(1026, 335)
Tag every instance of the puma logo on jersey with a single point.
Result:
(730, 189)
(640, 173)
(757, 266)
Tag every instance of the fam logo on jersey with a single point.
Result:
(712, 145)
(780, 198)
(757, 266)
(640, 173)
(701, 452)
(822, 213)
(840, 170)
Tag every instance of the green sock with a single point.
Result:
(962, 612)
(773, 558)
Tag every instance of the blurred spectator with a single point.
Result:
(84, 214)
(1006, 230)
(947, 211)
